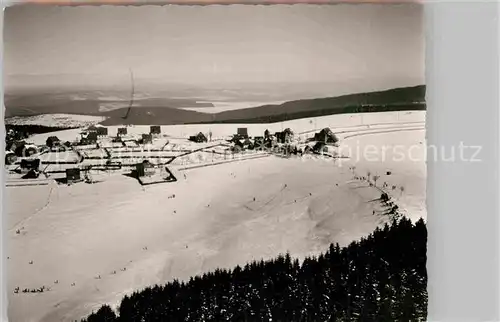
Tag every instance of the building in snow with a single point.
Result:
(198, 138)
(100, 130)
(52, 141)
(259, 143)
(286, 136)
(321, 147)
(10, 158)
(155, 129)
(30, 164)
(122, 131)
(73, 175)
(248, 144)
(90, 138)
(17, 147)
(242, 132)
(326, 136)
(30, 150)
(146, 138)
(23, 149)
(145, 168)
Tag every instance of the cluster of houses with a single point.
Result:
(27, 155)
(284, 141)
(93, 134)
(26, 159)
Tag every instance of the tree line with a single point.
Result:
(381, 277)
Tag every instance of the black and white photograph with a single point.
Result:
(215, 163)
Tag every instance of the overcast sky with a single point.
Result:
(204, 44)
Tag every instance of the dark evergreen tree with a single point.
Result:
(104, 314)
(380, 278)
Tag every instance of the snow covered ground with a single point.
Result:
(102, 241)
(228, 106)
(219, 131)
(55, 120)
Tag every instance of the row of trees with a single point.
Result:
(379, 278)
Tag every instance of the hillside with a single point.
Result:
(96, 103)
(380, 278)
(154, 116)
(167, 111)
(406, 98)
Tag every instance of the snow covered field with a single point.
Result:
(336, 122)
(102, 241)
(55, 120)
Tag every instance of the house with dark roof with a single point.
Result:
(30, 164)
(100, 130)
(145, 168)
(147, 139)
(198, 138)
(122, 131)
(155, 129)
(52, 141)
(73, 175)
(326, 136)
(284, 136)
(242, 132)
(10, 158)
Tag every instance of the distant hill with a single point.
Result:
(154, 116)
(406, 98)
(95, 103)
(165, 111)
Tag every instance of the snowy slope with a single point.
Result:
(55, 120)
(74, 234)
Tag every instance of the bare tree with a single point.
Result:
(402, 189)
(353, 169)
(375, 178)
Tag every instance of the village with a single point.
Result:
(153, 157)
(224, 188)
